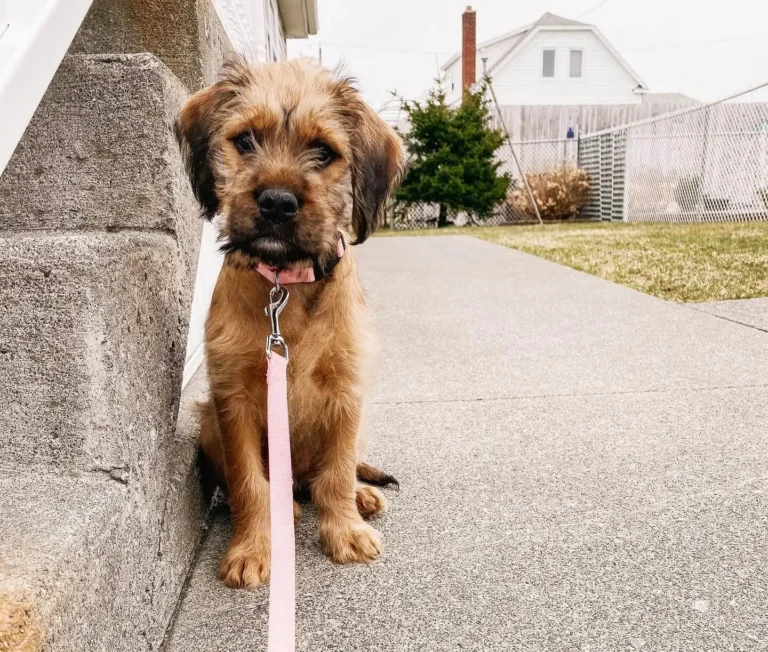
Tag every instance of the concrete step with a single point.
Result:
(96, 561)
(91, 349)
(99, 237)
(99, 156)
(194, 51)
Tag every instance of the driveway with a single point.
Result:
(582, 467)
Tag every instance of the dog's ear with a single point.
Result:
(195, 126)
(377, 164)
(193, 130)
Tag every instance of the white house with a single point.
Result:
(552, 61)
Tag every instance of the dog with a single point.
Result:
(298, 167)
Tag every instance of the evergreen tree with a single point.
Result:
(453, 162)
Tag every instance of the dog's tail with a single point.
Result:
(369, 474)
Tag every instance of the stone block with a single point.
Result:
(89, 562)
(100, 155)
(186, 35)
(93, 330)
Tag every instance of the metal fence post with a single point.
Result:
(624, 175)
(703, 171)
(531, 198)
(578, 150)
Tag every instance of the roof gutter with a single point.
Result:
(299, 17)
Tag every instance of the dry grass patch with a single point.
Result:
(678, 262)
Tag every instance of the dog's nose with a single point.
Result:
(278, 204)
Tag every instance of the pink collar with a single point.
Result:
(297, 274)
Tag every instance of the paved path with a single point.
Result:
(749, 312)
(583, 467)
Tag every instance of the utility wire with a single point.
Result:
(591, 9)
(365, 47)
(350, 46)
(695, 43)
(436, 53)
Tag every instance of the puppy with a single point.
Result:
(294, 161)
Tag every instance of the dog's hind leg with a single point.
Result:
(210, 441)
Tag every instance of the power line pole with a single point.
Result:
(531, 198)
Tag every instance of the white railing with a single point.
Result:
(34, 37)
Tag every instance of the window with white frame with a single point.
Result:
(548, 68)
(577, 59)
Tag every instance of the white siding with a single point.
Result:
(453, 72)
(604, 80)
(452, 82)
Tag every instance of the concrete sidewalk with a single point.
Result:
(583, 467)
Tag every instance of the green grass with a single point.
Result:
(678, 262)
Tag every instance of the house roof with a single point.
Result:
(520, 32)
(519, 38)
(552, 20)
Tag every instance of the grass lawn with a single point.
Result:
(679, 262)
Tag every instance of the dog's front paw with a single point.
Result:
(351, 541)
(245, 565)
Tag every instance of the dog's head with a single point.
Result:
(289, 155)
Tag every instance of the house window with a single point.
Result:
(549, 63)
(576, 59)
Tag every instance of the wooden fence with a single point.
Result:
(552, 122)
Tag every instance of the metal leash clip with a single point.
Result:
(278, 297)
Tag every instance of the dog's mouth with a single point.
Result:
(273, 249)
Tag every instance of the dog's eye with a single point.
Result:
(324, 154)
(244, 142)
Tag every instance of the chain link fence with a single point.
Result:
(534, 156)
(705, 164)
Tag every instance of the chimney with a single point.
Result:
(468, 48)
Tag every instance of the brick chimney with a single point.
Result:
(468, 48)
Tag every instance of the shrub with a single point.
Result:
(688, 193)
(453, 157)
(559, 194)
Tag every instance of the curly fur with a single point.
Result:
(286, 113)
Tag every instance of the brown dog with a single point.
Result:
(292, 159)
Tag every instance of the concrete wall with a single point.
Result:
(99, 243)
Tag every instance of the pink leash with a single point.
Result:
(282, 584)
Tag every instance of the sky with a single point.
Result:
(674, 45)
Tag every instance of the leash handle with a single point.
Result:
(282, 584)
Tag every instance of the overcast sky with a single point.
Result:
(703, 48)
